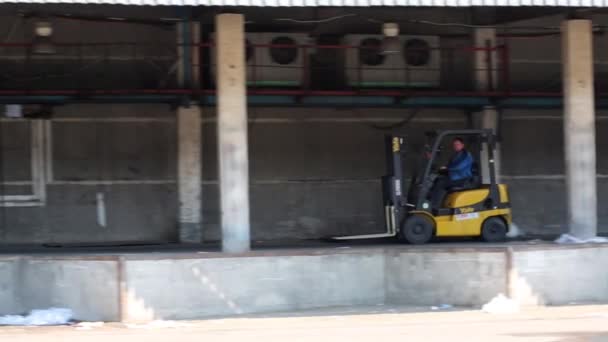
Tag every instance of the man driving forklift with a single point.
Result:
(473, 207)
(457, 173)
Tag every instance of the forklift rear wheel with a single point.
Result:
(494, 229)
(416, 230)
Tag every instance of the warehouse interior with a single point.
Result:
(103, 116)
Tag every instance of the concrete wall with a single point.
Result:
(533, 165)
(539, 276)
(127, 153)
(9, 286)
(191, 286)
(314, 172)
(109, 61)
(465, 278)
(542, 54)
(90, 287)
(228, 286)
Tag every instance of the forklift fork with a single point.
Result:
(391, 229)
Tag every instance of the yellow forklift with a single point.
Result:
(475, 209)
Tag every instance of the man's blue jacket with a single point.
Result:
(460, 166)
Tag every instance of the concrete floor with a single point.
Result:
(380, 323)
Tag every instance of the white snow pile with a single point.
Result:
(500, 305)
(52, 316)
(514, 231)
(569, 239)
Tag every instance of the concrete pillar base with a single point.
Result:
(190, 232)
(189, 174)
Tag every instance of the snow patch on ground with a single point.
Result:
(501, 305)
(52, 316)
(569, 239)
(514, 231)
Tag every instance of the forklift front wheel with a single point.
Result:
(416, 230)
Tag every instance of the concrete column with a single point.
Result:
(485, 62)
(486, 79)
(232, 132)
(189, 173)
(188, 63)
(579, 127)
(488, 118)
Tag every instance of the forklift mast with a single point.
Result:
(393, 185)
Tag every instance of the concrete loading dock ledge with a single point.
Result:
(143, 287)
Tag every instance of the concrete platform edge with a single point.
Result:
(143, 287)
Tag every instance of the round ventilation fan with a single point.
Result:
(283, 55)
(417, 52)
(370, 52)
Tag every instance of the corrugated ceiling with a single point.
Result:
(331, 3)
